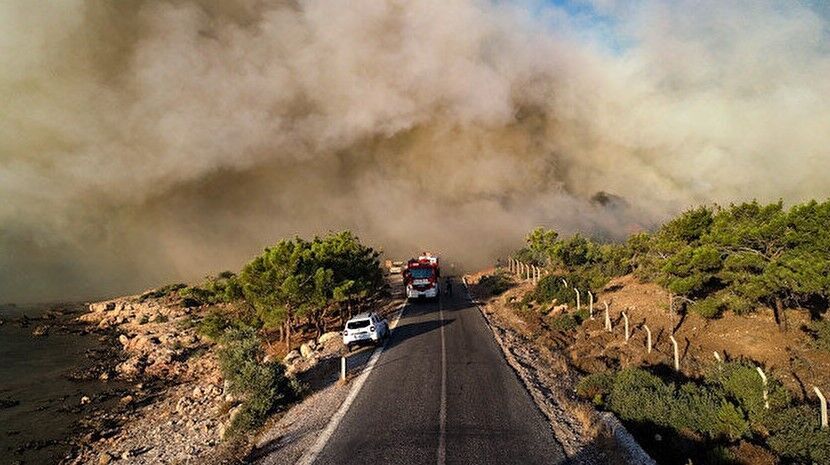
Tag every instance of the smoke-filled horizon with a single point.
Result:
(146, 141)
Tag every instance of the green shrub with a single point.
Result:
(213, 325)
(710, 307)
(495, 283)
(595, 387)
(704, 410)
(742, 383)
(263, 386)
(551, 288)
(161, 292)
(638, 395)
(568, 321)
(197, 294)
(820, 331)
(564, 322)
(796, 436)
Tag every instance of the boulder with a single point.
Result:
(332, 335)
(306, 350)
(291, 357)
(41, 330)
(556, 310)
(101, 306)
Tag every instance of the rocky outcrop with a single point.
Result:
(181, 417)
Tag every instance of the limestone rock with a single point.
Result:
(291, 357)
(333, 335)
(306, 350)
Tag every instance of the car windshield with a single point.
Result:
(357, 324)
(421, 273)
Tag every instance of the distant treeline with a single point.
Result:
(713, 259)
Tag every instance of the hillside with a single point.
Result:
(741, 290)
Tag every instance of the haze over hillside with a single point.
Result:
(146, 141)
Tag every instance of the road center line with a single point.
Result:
(442, 417)
(311, 454)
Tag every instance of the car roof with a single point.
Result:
(361, 316)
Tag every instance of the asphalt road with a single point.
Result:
(442, 400)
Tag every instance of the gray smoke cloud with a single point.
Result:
(143, 141)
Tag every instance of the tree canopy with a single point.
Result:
(713, 258)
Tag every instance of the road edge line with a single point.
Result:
(313, 452)
(442, 416)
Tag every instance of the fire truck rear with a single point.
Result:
(421, 277)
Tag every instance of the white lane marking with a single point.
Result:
(442, 417)
(311, 454)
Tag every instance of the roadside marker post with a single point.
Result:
(607, 317)
(590, 305)
(578, 303)
(648, 339)
(823, 402)
(766, 393)
(343, 368)
(676, 353)
(625, 319)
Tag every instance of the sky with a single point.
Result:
(150, 141)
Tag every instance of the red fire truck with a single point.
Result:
(421, 277)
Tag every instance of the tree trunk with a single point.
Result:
(780, 314)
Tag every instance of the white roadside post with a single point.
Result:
(764, 380)
(625, 319)
(590, 305)
(578, 303)
(676, 353)
(717, 357)
(607, 317)
(565, 283)
(343, 368)
(527, 272)
(823, 402)
(648, 339)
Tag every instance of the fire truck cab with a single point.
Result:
(421, 277)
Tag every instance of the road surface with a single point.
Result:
(442, 393)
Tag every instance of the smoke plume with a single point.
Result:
(143, 141)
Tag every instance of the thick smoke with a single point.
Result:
(146, 141)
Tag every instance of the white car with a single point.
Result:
(365, 328)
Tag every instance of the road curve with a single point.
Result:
(431, 403)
